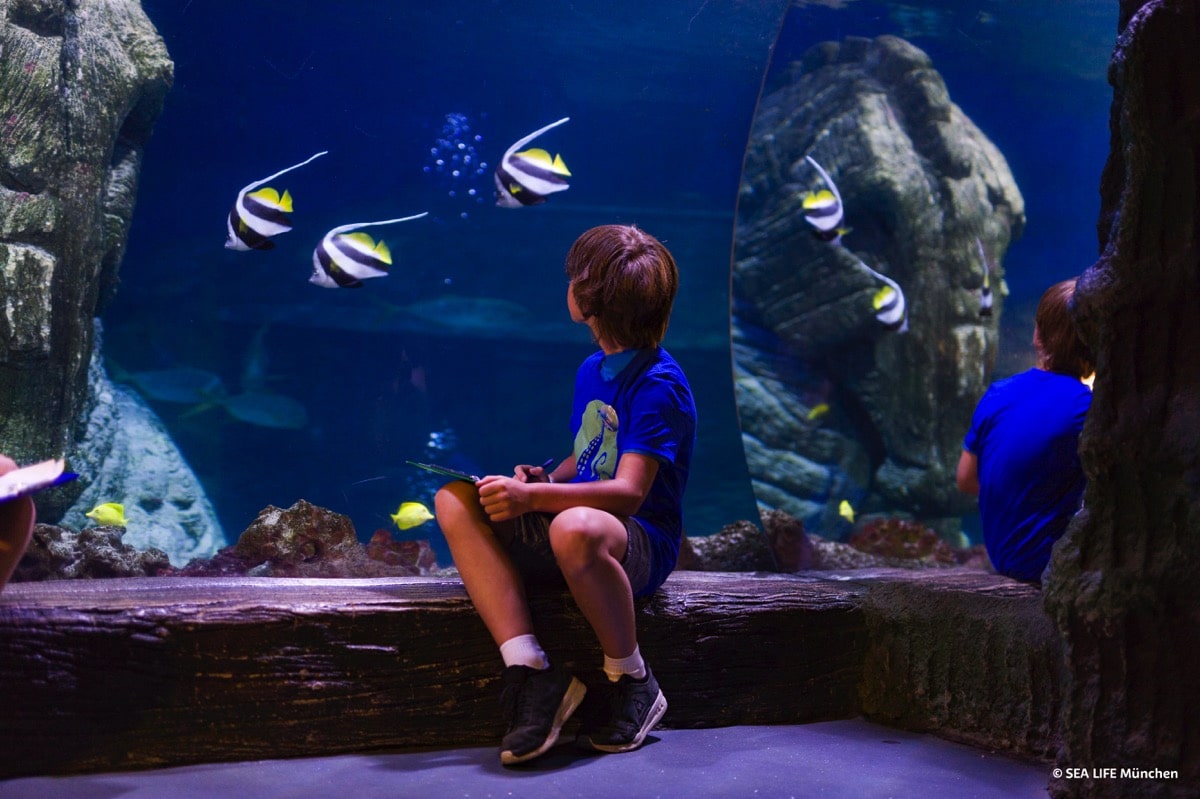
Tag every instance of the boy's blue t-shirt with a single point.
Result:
(639, 401)
(1025, 433)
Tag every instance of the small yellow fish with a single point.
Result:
(411, 514)
(817, 411)
(846, 511)
(110, 514)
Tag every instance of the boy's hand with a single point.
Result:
(503, 498)
(534, 474)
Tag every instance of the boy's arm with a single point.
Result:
(967, 474)
(506, 498)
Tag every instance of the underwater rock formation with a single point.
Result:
(1122, 585)
(901, 538)
(306, 540)
(879, 543)
(833, 405)
(126, 455)
(81, 85)
(55, 553)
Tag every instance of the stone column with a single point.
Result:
(81, 84)
(1124, 587)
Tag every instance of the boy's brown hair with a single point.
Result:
(625, 280)
(1059, 345)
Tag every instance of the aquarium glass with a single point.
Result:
(276, 389)
(464, 354)
(859, 418)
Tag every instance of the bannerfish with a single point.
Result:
(890, 307)
(985, 293)
(344, 259)
(110, 514)
(411, 514)
(526, 177)
(259, 215)
(823, 209)
(846, 511)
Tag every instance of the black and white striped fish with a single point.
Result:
(985, 293)
(259, 215)
(823, 209)
(525, 178)
(891, 309)
(344, 259)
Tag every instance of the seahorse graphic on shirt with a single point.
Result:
(596, 442)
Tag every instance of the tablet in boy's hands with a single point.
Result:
(445, 471)
(30, 479)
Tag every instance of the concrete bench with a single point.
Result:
(151, 672)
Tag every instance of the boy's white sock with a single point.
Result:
(524, 650)
(633, 665)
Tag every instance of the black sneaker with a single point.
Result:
(535, 704)
(620, 714)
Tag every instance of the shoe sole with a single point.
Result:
(652, 718)
(570, 703)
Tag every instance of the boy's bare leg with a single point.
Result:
(589, 545)
(488, 573)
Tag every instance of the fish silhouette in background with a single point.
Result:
(258, 214)
(344, 259)
(985, 293)
(182, 384)
(527, 177)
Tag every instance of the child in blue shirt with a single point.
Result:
(607, 520)
(1021, 455)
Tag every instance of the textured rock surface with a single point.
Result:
(1122, 585)
(81, 84)
(151, 672)
(126, 455)
(786, 547)
(976, 659)
(310, 541)
(55, 553)
(920, 183)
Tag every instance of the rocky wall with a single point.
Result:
(1123, 587)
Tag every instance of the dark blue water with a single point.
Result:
(661, 98)
(660, 101)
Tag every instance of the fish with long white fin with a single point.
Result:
(344, 259)
(890, 307)
(823, 209)
(258, 214)
(527, 177)
(985, 293)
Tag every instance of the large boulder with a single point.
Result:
(81, 85)
(834, 405)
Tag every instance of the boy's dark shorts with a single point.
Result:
(529, 548)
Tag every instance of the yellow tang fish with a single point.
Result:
(846, 511)
(110, 514)
(817, 411)
(411, 514)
